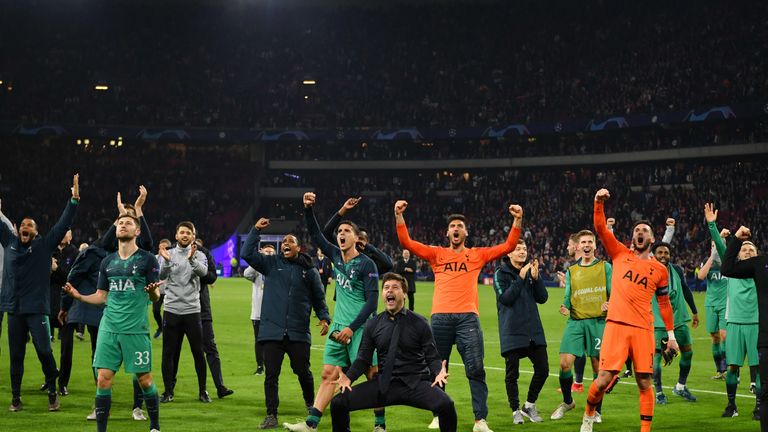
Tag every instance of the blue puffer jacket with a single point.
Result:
(292, 288)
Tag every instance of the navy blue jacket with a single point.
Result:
(516, 299)
(292, 288)
(84, 276)
(27, 268)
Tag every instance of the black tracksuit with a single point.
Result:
(26, 296)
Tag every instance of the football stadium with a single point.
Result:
(399, 215)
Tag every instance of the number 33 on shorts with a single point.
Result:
(142, 358)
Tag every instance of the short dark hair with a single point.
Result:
(165, 240)
(521, 242)
(355, 227)
(642, 222)
(394, 276)
(128, 215)
(186, 224)
(268, 245)
(457, 216)
(661, 244)
(574, 237)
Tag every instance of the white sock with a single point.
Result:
(528, 404)
(679, 387)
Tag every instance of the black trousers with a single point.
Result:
(211, 356)
(156, 306)
(411, 301)
(256, 345)
(298, 353)
(174, 329)
(37, 326)
(538, 356)
(367, 395)
(65, 355)
(762, 354)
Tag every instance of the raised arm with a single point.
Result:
(421, 250)
(612, 246)
(383, 261)
(6, 229)
(59, 230)
(330, 226)
(495, 252)
(739, 269)
(250, 252)
(669, 232)
(314, 228)
(704, 270)
(145, 236)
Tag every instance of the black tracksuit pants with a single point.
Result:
(538, 356)
(367, 395)
(67, 343)
(36, 325)
(298, 353)
(175, 327)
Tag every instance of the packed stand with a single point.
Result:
(557, 203)
(452, 65)
(206, 184)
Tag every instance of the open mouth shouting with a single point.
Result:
(390, 300)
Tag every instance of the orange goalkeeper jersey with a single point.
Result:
(634, 281)
(456, 273)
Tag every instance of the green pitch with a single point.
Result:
(245, 409)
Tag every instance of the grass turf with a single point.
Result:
(245, 409)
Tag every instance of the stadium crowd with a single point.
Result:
(556, 202)
(244, 65)
(201, 183)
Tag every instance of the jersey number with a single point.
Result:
(597, 343)
(142, 358)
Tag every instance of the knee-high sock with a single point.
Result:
(566, 380)
(628, 364)
(731, 382)
(753, 371)
(153, 406)
(137, 398)
(685, 366)
(594, 397)
(578, 369)
(599, 407)
(379, 417)
(103, 404)
(646, 409)
(718, 355)
(657, 372)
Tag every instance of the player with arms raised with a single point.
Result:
(636, 278)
